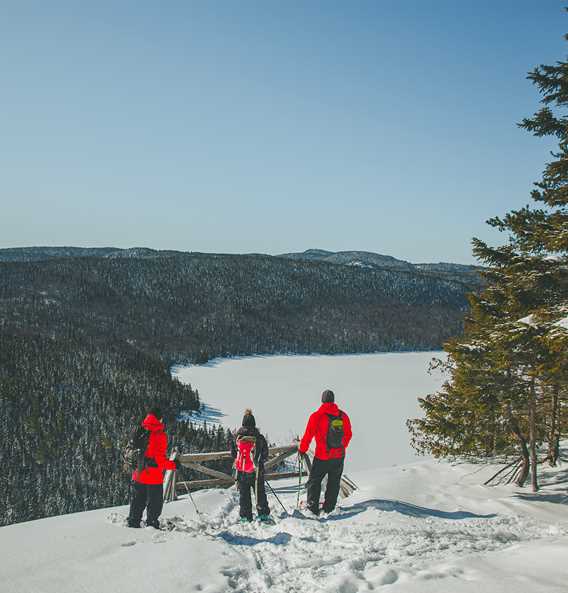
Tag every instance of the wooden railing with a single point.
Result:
(219, 479)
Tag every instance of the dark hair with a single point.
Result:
(328, 397)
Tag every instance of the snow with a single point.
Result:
(378, 391)
(528, 320)
(563, 323)
(359, 264)
(421, 527)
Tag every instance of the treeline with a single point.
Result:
(507, 392)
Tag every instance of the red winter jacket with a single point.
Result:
(317, 427)
(156, 452)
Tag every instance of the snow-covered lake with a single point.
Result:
(378, 391)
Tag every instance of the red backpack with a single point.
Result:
(245, 454)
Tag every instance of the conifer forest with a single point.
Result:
(86, 344)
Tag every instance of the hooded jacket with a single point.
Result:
(156, 461)
(318, 426)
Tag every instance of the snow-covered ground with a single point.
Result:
(422, 527)
(378, 391)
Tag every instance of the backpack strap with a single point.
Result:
(247, 439)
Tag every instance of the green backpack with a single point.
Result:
(335, 431)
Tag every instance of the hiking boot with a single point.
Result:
(310, 514)
(265, 519)
(245, 520)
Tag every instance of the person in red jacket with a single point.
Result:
(147, 485)
(331, 428)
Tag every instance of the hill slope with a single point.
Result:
(421, 528)
(368, 260)
(184, 305)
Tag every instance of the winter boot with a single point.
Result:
(265, 519)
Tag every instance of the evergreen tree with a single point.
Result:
(508, 380)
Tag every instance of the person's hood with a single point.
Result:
(152, 424)
(329, 408)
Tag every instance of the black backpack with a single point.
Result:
(135, 450)
(335, 431)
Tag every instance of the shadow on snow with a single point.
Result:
(405, 508)
(206, 413)
(548, 479)
(280, 539)
(560, 498)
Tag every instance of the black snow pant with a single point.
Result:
(149, 497)
(333, 468)
(246, 483)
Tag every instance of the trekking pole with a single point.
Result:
(299, 479)
(276, 496)
(191, 498)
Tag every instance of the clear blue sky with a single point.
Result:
(269, 126)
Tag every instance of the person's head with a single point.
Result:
(156, 411)
(328, 397)
(248, 419)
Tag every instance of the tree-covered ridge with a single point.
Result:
(507, 390)
(184, 306)
(368, 260)
(20, 254)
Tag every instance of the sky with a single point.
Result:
(269, 126)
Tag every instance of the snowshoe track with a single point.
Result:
(362, 547)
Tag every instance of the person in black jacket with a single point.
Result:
(250, 451)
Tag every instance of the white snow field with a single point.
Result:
(422, 527)
(378, 391)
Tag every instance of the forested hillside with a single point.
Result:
(368, 260)
(67, 405)
(186, 305)
(22, 254)
(86, 343)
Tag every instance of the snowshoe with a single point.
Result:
(266, 519)
(304, 506)
(244, 520)
(306, 513)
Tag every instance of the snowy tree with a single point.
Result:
(508, 378)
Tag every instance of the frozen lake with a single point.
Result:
(378, 391)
